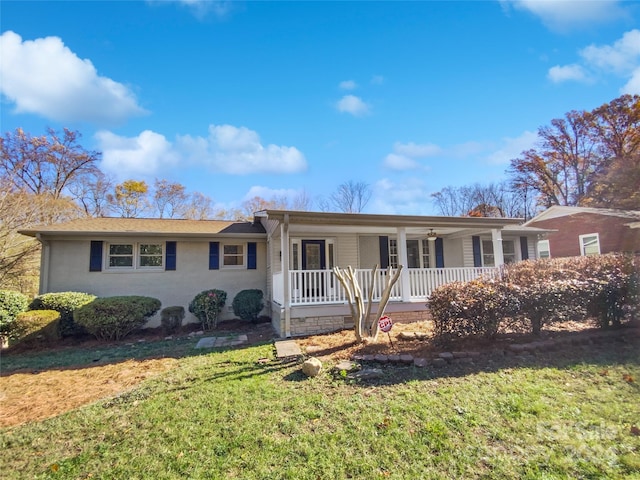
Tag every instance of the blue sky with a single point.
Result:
(237, 99)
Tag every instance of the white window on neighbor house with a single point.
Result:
(589, 244)
(135, 255)
(508, 252)
(233, 255)
(544, 251)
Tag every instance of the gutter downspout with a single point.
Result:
(45, 257)
(284, 248)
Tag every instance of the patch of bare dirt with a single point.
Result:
(32, 396)
(342, 345)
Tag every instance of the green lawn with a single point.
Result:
(224, 415)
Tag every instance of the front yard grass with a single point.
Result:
(225, 415)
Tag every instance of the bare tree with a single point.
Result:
(490, 200)
(198, 207)
(48, 164)
(349, 197)
(169, 199)
(92, 194)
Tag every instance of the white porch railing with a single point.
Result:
(318, 287)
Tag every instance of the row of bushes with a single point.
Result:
(64, 314)
(532, 294)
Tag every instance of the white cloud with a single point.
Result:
(562, 15)
(201, 8)
(269, 193)
(353, 105)
(558, 74)
(401, 197)
(417, 150)
(227, 149)
(621, 59)
(400, 162)
(145, 155)
(46, 78)
(633, 85)
(513, 147)
(405, 155)
(348, 85)
(238, 151)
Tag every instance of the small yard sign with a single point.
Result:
(385, 324)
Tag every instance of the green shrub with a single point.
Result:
(171, 319)
(113, 318)
(471, 308)
(38, 325)
(207, 305)
(247, 304)
(11, 304)
(65, 303)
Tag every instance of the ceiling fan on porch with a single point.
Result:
(431, 235)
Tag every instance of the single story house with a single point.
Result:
(575, 231)
(289, 255)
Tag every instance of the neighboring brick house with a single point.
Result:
(587, 231)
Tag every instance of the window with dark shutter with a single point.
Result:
(170, 256)
(95, 256)
(384, 251)
(252, 256)
(214, 255)
(477, 251)
(439, 253)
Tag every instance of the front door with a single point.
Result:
(313, 258)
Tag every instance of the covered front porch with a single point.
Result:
(321, 287)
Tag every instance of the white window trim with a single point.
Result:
(329, 243)
(586, 235)
(136, 257)
(516, 250)
(393, 258)
(244, 256)
(546, 249)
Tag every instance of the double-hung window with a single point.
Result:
(135, 256)
(508, 252)
(590, 244)
(544, 250)
(233, 255)
(417, 253)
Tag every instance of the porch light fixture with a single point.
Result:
(432, 236)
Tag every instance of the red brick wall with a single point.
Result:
(614, 236)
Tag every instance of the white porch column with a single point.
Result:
(284, 251)
(402, 260)
(496, 236)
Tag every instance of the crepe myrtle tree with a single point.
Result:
(366, 329)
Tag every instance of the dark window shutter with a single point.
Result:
(384, 252)
(214, 255)
(477, 253)
(439, 253)
(524, 248)
(95, 256)
(252, 256)
(170, 256)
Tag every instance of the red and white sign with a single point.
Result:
(385, 324)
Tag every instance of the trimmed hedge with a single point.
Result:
(38, 325)
(113, 318)
(171, 319)
(532, 294)
(207, 306)
(65, 303)
(247, 304)
(11, 304)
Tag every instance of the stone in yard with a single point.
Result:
(382, 358)
(420, 362)
(407, 336)
(438, 362)
(448, 356)
(406, 358)
(346, 365)
(394, 358)
(206, 342)
(312, 367)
